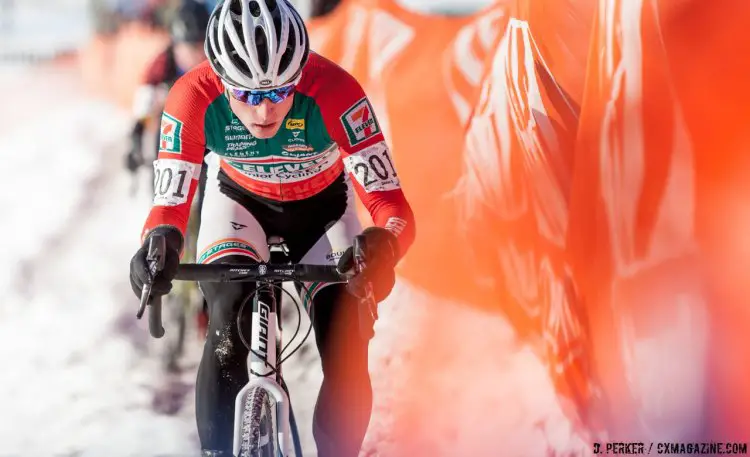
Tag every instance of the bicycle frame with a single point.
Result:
(263, 355)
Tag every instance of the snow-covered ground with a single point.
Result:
(80, 374)
(76, 380)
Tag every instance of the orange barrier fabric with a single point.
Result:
(606, 229)
(659, 217)
(631, 230)
(562, 33)
(514, 193)
(422, 74)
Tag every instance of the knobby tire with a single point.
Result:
(258, 427)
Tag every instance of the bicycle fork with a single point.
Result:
(261, 362)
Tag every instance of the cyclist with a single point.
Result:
(185, 51)
(292, 137)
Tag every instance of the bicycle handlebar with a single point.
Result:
(260, 272)
(155, 326)
(253, 272)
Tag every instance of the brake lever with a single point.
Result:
(155, 258)
(360, 262)
(366, 320)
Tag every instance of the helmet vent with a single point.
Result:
(261, 45)
(235, 7)
(254, 9)
(286, 57)
(241, 65)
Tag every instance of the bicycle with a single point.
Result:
(259, 430)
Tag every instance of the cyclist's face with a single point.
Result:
(188, 55)
(263, 121)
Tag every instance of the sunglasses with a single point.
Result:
(255, 97)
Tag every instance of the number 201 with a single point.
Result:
(377, 166)
(163, 181)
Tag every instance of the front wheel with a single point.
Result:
(258, 426)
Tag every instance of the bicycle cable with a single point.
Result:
(299, 322)
(308, 296)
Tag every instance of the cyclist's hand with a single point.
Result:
(139, 270)
(134, 159)
(381, 254)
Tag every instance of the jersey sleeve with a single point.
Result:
(181, 150)
(352, 124)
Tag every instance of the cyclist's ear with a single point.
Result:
(346, 262)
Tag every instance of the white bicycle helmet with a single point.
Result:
(257, 44)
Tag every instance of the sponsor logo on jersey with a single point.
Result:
(235, 125)
(295, 124)
(293, 169)
(241, 150)
(223, 248)
(171, 134)
(360, 123)
(239, 137)
(297, 148)
(334, 256)
(284, 171)
(395, 225)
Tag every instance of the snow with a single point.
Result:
(450, 380)
(73, 375)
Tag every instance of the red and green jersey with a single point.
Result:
(331, 128)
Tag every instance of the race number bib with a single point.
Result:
(172, 180)
(373, 168)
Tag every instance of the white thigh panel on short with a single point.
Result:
(226, 227)
(331, 246)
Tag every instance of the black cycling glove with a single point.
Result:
(134, 159)
(139, 271)
(381, 253)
